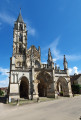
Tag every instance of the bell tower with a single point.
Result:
(19, 44)
(19, 36)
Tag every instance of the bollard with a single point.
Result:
(17, 102)
(37, 99)
(80, 117)
(7, 101)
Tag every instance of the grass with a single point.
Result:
(42, 99)
(77, 94)
(25, 101)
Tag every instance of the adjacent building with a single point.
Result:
(76, 83)
(4, 90)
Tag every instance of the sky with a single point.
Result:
(54, 24)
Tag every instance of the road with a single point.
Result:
(61, 109)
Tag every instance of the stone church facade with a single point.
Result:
(29, 78)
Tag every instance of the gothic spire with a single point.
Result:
(50, 60)
(65, 63)
(49, 55)
(49, 52)
(20, 19)
(65, 59)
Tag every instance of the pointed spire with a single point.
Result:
(20, 19)
(65, 59)
(20, 10)
(49, 55)
(50, 60)
(55, 66)
(49, 52)
(65, 63)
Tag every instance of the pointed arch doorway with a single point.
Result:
(62, 87)
(42, 89)
(43, 86)
(24, 88)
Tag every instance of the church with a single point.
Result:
(29, 77)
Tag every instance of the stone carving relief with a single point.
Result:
(19, 64)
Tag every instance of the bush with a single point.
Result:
(1, 92)
(76, 89)
(61, 93)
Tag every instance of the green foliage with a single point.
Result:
(76, 89)
(1, 93)
(61, 93)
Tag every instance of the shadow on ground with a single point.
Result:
(3, 99)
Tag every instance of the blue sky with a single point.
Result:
(50, 23)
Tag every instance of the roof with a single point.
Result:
(4, 88)
(75, 77)
(20, 19)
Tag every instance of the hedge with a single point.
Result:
(1, 93)
(76, 89)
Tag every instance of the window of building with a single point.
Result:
(20, 38)
(20, 49)
(21, 27)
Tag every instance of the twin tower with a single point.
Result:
(29, 77)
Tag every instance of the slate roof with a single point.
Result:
(20, 19)
(75, 77)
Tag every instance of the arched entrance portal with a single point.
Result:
(62, 87)
(44, 81)
(24, 88)
(42, 89)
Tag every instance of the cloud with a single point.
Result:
(57, 55)
(44, 62)
(73, 71)
(7, 18)
(10, 20)
(4, 83)
(4, 77)
(4, 71)
(73, 57)
(31, 31)
(54, 59)
(55, 52)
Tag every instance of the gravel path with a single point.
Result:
(61, 109)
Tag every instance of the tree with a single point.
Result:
(1, 92)
(76, 89)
